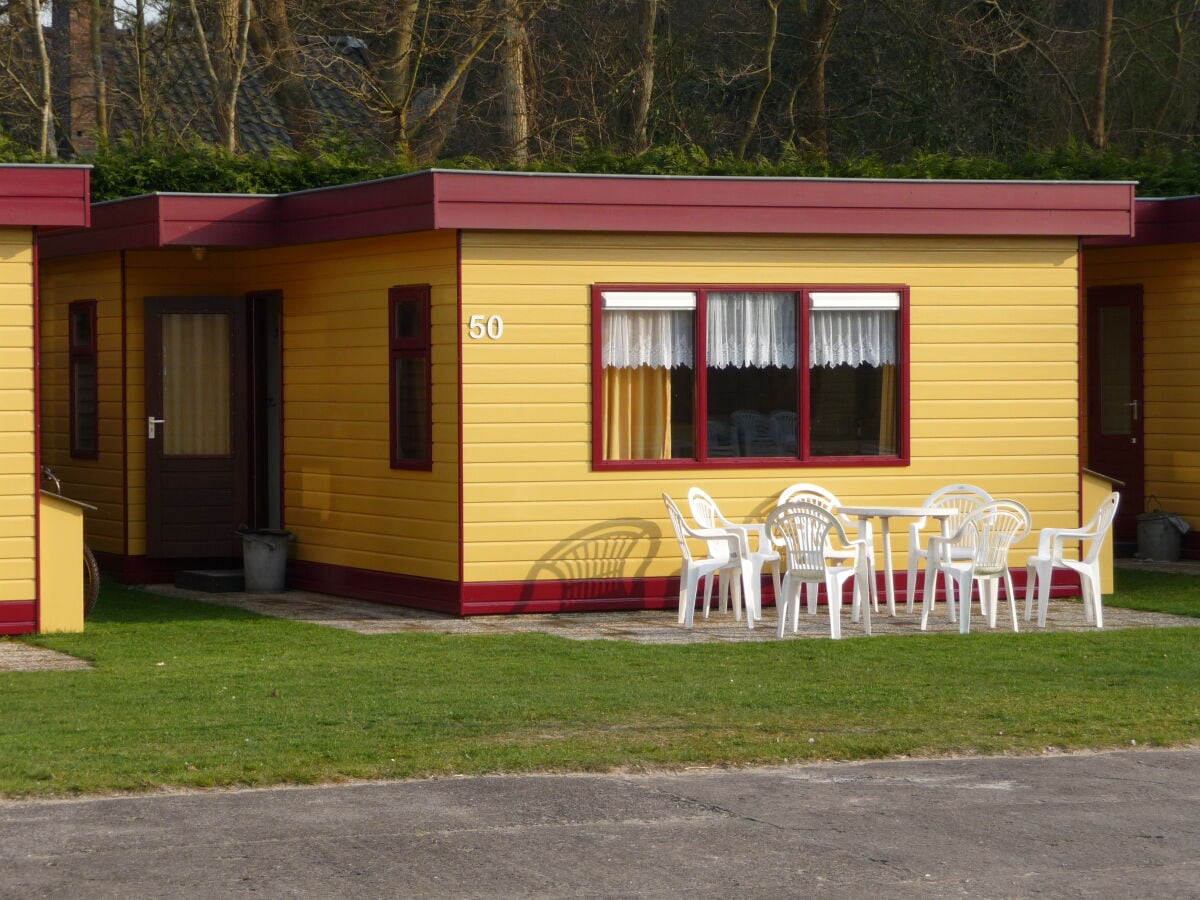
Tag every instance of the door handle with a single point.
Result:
(150, 423)
(1133, 404)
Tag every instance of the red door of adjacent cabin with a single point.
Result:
(197, 470)
(1115, 408)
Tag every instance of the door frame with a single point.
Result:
(1131, 467)
(154, 307)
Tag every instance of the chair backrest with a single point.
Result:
(704, 509)
(991, 530)
(964, 499)
(805, 529)
(680, 526)
(1100, 525)
(717, 549)
(721, 440)
(785, 422)
(756, 435)
(811, 493)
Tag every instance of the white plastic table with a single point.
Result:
(885, 514)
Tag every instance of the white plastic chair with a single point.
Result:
(805, 529)
(814, 493)
(785, 423)
(755, 433)
(1040, 567)
(759, 556)
(721, 439)
(722, 557)
(963, 499)
(989, 533)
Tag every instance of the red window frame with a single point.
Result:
(804, 459)
(83, 352)
(417, 345)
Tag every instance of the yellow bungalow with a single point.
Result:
(37, 534)
(467, 391)
(1142, 376)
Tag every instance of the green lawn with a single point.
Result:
(189, 694)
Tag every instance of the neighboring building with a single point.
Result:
(412, 375)
(1142, 415)
(32, 200)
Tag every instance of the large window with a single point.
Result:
(411, 415)
(84, 402)
(737, 376)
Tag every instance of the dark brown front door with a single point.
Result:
(1115, 408)
(196, 422)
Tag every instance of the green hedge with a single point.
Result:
(123, 170)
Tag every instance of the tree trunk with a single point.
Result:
(767, 79)
(47, 143)
(814, 86)
(1103, 63)
(643, 80)
(513, 86)
(275, 43)
(225, 61)
(100, 10)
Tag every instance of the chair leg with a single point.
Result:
(689, 598)
(989, 599)
(683, 578)
(927, 600)
(834, 601)
(1031, 577)
(910, 584)
(783, 601)
(963, 583)
(1012, 599)
(751, 591)
(1090, 582)
(1045, 577)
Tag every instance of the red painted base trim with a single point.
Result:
(141, 570)
(18, 617)
(380, 587)
(491, 598)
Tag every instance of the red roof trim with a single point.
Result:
(45, 196)
(1173, 220)
(542, 202)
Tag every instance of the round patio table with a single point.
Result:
(885, 514)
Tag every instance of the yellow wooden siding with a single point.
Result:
(1170, 279)
(18, 484)
(95, 481)
(994, 387)
(342, 499)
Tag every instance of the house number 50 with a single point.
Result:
(490, 327)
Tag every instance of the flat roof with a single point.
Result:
(44, 196)
(520, 201)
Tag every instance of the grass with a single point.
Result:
(187, 694)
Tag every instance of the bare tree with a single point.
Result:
(224, 57)
(643, 80)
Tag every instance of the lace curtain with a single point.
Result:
(843, 337)
(748, 329)
(751, 329)
(658, 338)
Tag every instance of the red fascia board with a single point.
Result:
(398, 205)
(45, 196)
(167, 220)
(774, 206)
(1174, 220)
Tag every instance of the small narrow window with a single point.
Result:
(411, 409)
(84, 401)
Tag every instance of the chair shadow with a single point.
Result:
(593, 565)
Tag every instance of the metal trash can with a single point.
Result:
(264, 558)
(1159, 534)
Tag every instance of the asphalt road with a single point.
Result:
(1106, 825)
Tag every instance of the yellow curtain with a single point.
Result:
(637, 413)
(887, 410)
(196, 384)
